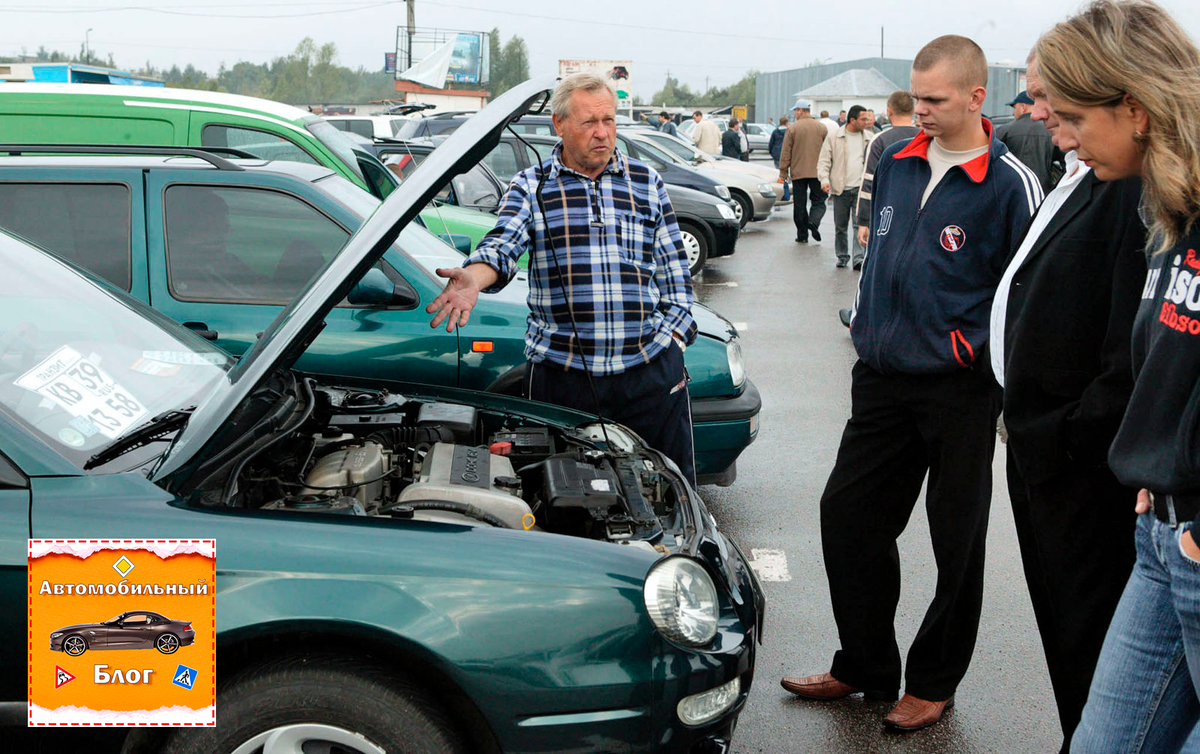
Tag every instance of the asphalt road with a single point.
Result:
(784, 297)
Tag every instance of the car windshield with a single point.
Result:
(337, 142)
(115, 618)
(662, 154)
(82, 365)
(415, 242)
(677, 148)
(476, 190)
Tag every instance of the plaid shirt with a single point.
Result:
(619, 251)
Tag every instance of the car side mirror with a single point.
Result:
(373, 290)
(460, 241)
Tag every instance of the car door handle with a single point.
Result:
(201, 329)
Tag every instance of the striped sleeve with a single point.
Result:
(509, 239)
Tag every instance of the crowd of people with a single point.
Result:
(1047, 270)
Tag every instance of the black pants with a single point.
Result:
(648, 399)
(802, 214)
(900, 427)
(1076, 535)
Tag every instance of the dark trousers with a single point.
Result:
(802, 214)
(1076, 534)
(648, 399)
(900, 427)
(845, 213)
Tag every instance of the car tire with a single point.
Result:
(695, 244)
(168, 643)
(349, 705)
(75, 648)
(744, 209)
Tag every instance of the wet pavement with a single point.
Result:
(785, 296)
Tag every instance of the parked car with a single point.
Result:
(370, 126)
(758, 135)
(709, 226)
(689, 125)
(421, 126)
(753, 198)
(701, 160)
(222, 245)
(137, 629)
(90, 114)
(364, 600)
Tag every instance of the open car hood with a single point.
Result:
(299, 324)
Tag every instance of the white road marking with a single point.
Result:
(770, 565)
(740, 326)
(730, 284)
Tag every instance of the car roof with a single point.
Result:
(301, 170)
(169, 97)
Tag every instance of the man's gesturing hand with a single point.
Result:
(455, 302)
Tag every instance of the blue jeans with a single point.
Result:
(1144, 693)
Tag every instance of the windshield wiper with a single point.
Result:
(152, 431)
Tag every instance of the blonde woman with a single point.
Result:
(1124, 80)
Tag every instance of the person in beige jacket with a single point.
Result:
(840, 170)
(706, 134)
(801, 147)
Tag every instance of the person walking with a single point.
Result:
(798, 157)
(830, 124)
(706, 134)
(1121, 77)
(1030, 142)
(841, 119)
(665, 125)
(900, 116)
(840, 169)
(610, 298)
(744, 142)
(775, 147)
(731, 140)
(922, 396)
(1083, 255)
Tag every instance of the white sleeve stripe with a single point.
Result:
(1027, 179)
(864, 194)
(868, 176)
(1038, 192)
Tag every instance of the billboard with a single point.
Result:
(469, 53)
(616, 71)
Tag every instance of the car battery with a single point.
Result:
(570, 483)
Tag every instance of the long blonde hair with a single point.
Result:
(1134, 47)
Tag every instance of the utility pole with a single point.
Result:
(412, 25)
(881, 41)
(87, 47)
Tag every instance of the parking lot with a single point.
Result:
(784, 298)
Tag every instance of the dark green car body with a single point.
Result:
(136, 220)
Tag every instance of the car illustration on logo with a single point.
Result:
(139, 629)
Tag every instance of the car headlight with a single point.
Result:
(723, 192)
(737, 368)
(56, 634)
(725, 211)
(766, 189)
(682, 601)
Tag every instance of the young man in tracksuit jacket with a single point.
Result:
(923, 395)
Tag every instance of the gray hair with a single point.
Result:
(560, 101)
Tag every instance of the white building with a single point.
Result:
(858, 86)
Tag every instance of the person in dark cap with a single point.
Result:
(1029, 140)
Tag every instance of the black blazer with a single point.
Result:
(1068, 370)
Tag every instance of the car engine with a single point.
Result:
(374, 453)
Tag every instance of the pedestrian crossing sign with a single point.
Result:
(185, 677)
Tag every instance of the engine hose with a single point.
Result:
(464, 509)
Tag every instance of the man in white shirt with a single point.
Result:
(840, 169)
(830, 124)
(706, 134)
(1060, 346)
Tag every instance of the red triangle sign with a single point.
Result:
(61, 677)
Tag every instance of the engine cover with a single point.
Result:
(463, 474)
(347, 470)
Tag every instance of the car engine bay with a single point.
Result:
(370, 452)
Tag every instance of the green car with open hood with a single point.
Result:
(573, 595)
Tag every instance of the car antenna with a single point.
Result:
(537, 195)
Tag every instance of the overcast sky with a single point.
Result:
(696, 40)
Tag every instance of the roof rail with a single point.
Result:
(208, 154)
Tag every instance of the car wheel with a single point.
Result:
(74, 645)
(320, 704)
(695, 243)
(743, 208)
(167, 643)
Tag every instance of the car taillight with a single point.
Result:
(188, 627)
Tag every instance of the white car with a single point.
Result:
(688, 152)
(370, 126)
(753, 195)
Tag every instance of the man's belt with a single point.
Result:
(1174, 509)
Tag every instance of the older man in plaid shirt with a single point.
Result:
(606, 252)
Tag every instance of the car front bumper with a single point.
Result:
(721, 429)
(725, 236)
(763, 205)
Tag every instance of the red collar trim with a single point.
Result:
(976, 169)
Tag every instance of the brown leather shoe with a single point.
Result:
(825, 687)
(911, 713)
